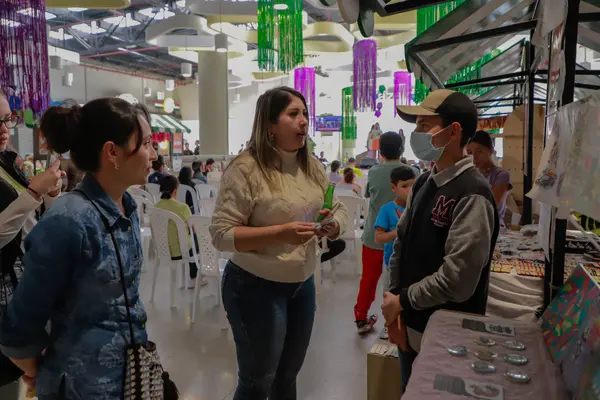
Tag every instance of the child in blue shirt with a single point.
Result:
(402, 179)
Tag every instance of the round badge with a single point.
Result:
(514, 345)
(484, 341)
(486, 355)
(459, 351)
(516, 376)
(515, 359)
(483, 367)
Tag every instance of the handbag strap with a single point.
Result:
(121, 269)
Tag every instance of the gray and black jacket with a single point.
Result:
(448, 234)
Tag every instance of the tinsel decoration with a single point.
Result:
(304, 82)
(402, 89)
(491, 124)
(348, 117)
(365, 75)
(24, 53)
(287, 52)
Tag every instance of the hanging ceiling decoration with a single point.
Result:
(287, 15)
(402, 89)
(348, 117)
(304, 82)
(24, 52)
(365, 75)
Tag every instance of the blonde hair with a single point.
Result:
(263, 149)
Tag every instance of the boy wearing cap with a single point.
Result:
(378, 190)
(449, 229)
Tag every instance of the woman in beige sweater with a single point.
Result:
(270, 197)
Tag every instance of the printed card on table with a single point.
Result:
(468, 387)
(480, 326)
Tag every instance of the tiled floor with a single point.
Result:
(201, 357)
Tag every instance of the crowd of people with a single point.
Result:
(429, 233)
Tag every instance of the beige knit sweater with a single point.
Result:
(245, 199)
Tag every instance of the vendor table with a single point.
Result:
(445, 330)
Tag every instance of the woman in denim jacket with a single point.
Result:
(71, 273)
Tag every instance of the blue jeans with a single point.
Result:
(407, 358)
(271, 324)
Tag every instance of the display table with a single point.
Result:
(445, 330)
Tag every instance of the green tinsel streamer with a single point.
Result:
(266, 35)
(348, 118)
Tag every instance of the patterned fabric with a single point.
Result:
(72, 280)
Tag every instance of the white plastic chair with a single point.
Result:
(142, 193)
(324, 248)
(355, 207)
(210, 265)
(154, 190)
(159, 221)
(207, 207)
(181, 196)
(197, 181)
(206, 191)
(143, 208)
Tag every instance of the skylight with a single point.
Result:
(35, 13)
(60, 35)
(10, 23)
(77, 9)
(164, 13)
(124, 22)
(89, 29)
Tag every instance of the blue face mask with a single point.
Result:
(422, 146)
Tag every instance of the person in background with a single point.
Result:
(349, 182)
(481, 147)
(322, 157)
(169, 187)
(208, 166)
(334, 175)
(403, 160)
(352, 164)
(197, 171)
(185, 178)
(270, 196)
(402, 179)
(378, 190)
(447, 234)
(187, 151)
(158, 166)
(70, 283)
(197, 148)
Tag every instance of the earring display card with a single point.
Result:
(468, 387)
(480, 326)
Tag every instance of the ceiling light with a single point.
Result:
(169, 85)
(76, 9)
(221, 43)
(10, 23)
(186, 70)
(147, 91)
(280, 7)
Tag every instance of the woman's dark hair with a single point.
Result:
(210, 161)
(348, 175)
(335, 165)
(483, 138)
(158, 163)
(196, 165)
(168, 184)
(84, 130)
(185, 176)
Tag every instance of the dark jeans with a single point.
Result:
(336, 247)
(406, 361)
(271, 324)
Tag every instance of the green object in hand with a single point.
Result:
(328, 202)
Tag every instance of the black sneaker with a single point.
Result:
(366, 326)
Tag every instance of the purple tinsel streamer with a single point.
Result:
(304, 82)
(365, 75)
(24, 53)
(402, 89)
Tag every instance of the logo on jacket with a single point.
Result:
(442, 212)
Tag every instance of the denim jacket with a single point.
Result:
(71, 280)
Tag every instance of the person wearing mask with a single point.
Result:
(185, 178)
(169, 187)
(72, 266)
(348, 183)
(378, 190)
(334, 175)
(197, 148)
(197, 171)
(352, 164)
(270, 197)
(447, 234)
(187, 151)
(158, 166)
(481, 148)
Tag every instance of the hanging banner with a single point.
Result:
(178, 143)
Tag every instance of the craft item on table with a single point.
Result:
(569, 312)
(468, 388)
(517, 376)
(386, 350)
(502, 267)
(480, 326)
(483, 367)
(528, 268)
(516, 359)
(594, 272)
(485, 355)
(483, 341)
(459, 351)
(514, 345)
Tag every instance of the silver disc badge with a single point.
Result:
(484, 341)
(516, 376)
(486, 355)
(514, 345)
(483, 367)
(515, 359)
(458, 351)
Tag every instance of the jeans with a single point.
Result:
(407, 358)
(271, 324)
